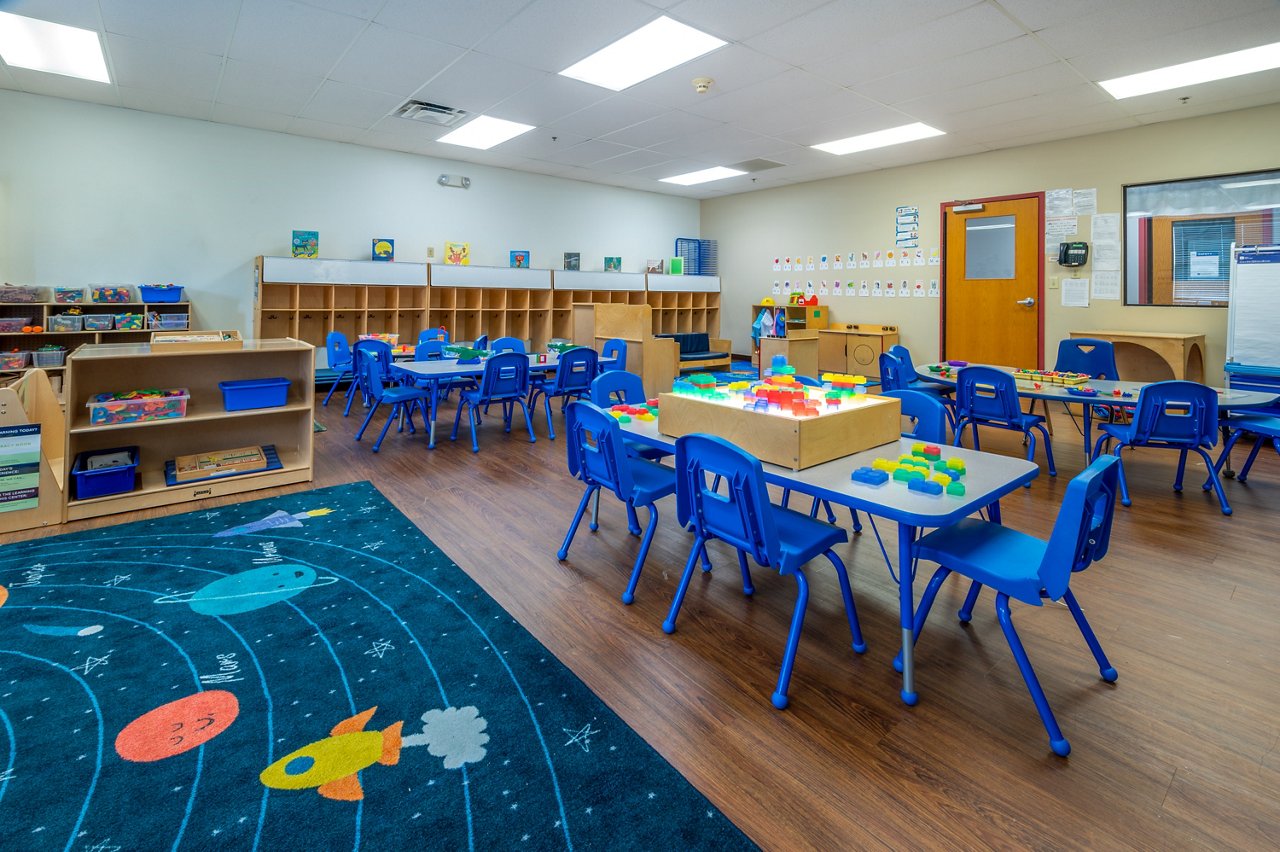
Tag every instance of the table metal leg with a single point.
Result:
(1088, 424)
(435, 407)
(906, 603)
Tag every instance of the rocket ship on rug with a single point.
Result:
(273, 521)
(331, 764)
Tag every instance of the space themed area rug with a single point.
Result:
(303, 672)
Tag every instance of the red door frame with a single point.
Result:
(942, 284)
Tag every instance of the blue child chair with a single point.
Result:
(598, 457)
(1263, 427)
(403, 398)
(614, 348)
(574, 372)
(929, 415)
(1093, 357)
(895, 375)
(914, 381)
(507, 344)
(482, 342)
(1030, 569)
(338, 352)
(381, 352)
(429, 334)
(989, 397)
(506, 382)
(618, 387)
(1174, 415)
(743, 517)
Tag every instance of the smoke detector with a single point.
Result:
(702, 84)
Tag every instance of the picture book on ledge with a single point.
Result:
(572, 261)
(306, 243)
(384, 249)
(613, 264)
(654, 267)
(520, 259)
(677, 266)
(457, 254)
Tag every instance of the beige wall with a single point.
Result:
(857, 212)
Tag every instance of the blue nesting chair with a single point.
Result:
(989, 397)
(1264, 427)
(429, 334)
(618, 387)
(482, 342)
(381, 352)
(1173, 415)
(1091, 356)
(614, 348)
(743, 517)
(507, 344)
(928, 414)
(1030, 569)
(338, 352)
(914, 380)
(403, 398)
(895, 375)
(575, 371)
(506, 382)
(598, 457)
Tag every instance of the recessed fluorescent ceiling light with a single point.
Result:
(656, 47)
(1200, 71)
(881, 138)
(704, 176)
(485, 132)
(1245, 184)
(54, 48)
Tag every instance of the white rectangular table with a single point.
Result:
(988, 477)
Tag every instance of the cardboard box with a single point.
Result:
(195, 341)
(868, 421)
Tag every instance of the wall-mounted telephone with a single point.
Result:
(1073, 254)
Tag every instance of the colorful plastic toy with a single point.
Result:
(869, 476)
(924, 486)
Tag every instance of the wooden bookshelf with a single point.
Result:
(40, 312)
(206, 427)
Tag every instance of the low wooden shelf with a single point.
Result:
(207, 426)
(1152, 356)
(854, 348)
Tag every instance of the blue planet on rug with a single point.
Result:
(303, 672)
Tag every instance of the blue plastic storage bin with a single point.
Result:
(254, 393)
(108, 480)
(151, 293)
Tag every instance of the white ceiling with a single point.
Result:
(991, 73)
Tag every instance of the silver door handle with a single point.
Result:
(1029, 302)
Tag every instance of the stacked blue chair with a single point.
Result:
(403, 398)
(742, 517)
(338, 352)
(380, 350)
(429, 334)
(1030, 569)
(505, 381)
(989, 397)
(1173, 415)
(614, 348)
(575, 371)
(618, 387)
(1263, 427)
(507, 344)
(598, 457)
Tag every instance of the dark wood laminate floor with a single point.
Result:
(1181, 753)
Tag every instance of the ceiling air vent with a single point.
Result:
(430, 113)
(756, 165)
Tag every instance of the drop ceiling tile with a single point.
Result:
(386, 60)
(409, 137)
(549, 98)
(1038, 14)
(607, 116)
(249, 117)
(477, 83)
(286, 34)
(736, 20)
(732, 67)
(1122, 26)
(671, 168)
(73, 13)
(266, 88)
(458, 22)
(165, 103)
(586, 153)
(363, 9)
(767, 101)
(324, 130)
(205, 26)
(827, 127)
(339, 103)
(541, 143)
(936, 108)
(632, 160)
(1206, 98)
(6, 79)
(1077, 131)
(918, 80)
(147, 65)
(58, 86)
(715, 142)
(551, 35)
(661, 129)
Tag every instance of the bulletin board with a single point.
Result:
(1254, 313)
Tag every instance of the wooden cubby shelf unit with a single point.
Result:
(497, 301)
(39, 313)
(685, 303)
(306, 299)
(206, 427)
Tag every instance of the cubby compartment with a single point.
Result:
(493, 300)
(517, 300)
(471, 300)
(412, 298)
(380, 298)
(562, 324)
(442, 298)
(409, 324)
(348, 296)
(279, 296)
(466, 325)
(379, 322)
(278, 324)
(346, 322)
(312, 325)
(492, 324)
(315, 296)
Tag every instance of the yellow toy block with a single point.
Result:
(885, 465)
(942, 479)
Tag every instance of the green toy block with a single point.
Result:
(956, 489)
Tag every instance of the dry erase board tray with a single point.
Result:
(268, 450)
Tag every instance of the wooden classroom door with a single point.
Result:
(993, 290)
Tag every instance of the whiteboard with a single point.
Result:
(1255, 307)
